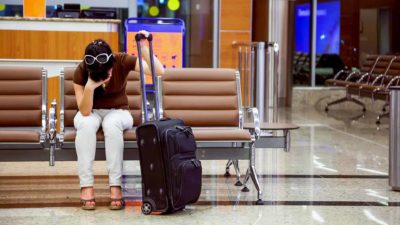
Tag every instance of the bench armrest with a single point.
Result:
(353, 74)
(376, 80)
(391, 83)
(255, 119)
(363, 77)
(52, 132)
(337, 75)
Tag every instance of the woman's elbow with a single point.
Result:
(85, 112)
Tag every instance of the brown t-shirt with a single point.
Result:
(114, 95)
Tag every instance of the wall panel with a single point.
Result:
(235, 25)
(56, 45)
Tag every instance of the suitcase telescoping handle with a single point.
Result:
(138, 38)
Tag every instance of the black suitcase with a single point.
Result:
(171, 174)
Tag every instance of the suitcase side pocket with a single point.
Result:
(188, 182)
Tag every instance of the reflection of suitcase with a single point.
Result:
(171, 174)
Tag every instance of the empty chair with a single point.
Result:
(209, 100)
(23, 109)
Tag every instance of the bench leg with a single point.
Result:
(286, 134)
(235, 164)
(246, 178)
(358, 102)
(348, 98)
(52, 154)
(340, 100)
(228, 164)
(384, 107)
(237, 170)
(253, 175)
(251, 172)
(378, 118)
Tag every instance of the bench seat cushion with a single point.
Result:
(70, 133)
(20, 136)
(221, 134)
(340, 83)
(201, 134)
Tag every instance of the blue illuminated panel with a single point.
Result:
(328, 27)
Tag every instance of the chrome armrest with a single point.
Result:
(339, 73)
(391, 82)
(52, 135)
(255, 120)
(352, 74)
(53, 121)
(60, 137)
(365, 75)
(376, 80)
(43, 131)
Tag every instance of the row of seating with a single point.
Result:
(209, 100)
(376, 75)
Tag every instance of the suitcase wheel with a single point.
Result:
(147, 208)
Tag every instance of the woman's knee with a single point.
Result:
(118, 121)
(90, 122)
(112, 126)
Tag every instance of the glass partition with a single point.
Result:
(345, 33)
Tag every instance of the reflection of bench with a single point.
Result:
(209, 100)
(23, 109)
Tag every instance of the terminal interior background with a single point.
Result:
(337, 170)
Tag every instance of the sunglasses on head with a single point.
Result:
(100, 58)
(97, 42)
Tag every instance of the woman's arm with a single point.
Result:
(158, 67)
(84, 95)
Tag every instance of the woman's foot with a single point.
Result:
(117, 201)
(87, 198)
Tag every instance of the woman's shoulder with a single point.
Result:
(124, 59)
(121, 56)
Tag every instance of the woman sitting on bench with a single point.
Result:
(100, 89)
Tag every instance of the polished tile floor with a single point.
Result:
(336, 173)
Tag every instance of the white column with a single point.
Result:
(278, 32)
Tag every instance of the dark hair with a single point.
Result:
(99, 71)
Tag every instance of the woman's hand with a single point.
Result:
(159, 69)
(91, 84)
(146, 35)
